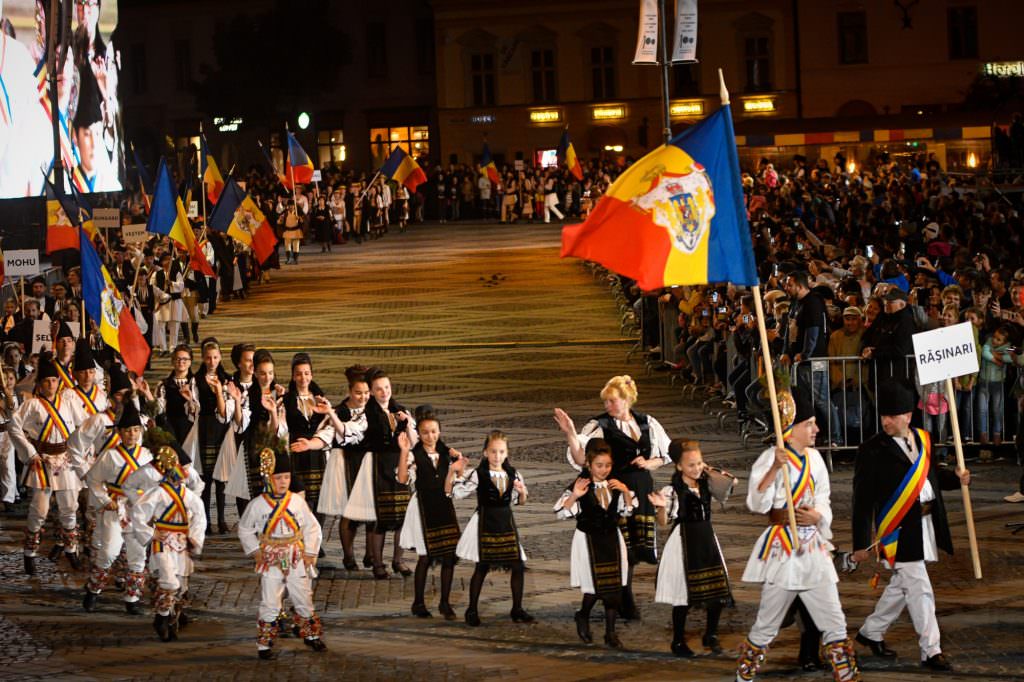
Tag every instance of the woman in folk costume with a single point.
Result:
(349, 421)
(171, 521)
(639, 445)
(377, 495)
(40, 430)
(8, 406)
(106, 480)
(784, 569)
(168, 285)
(282, 535)
(598, 565)
(309, 434)
(692, 570)
(491, 539)
(176, 396)
(217, 410)
(245, 391)
(431, 527)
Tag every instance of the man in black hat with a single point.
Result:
(892, 332)
(107, 500)
(40, 430)
(87, 392)
(64, 354)
(282, 535)
(898, 513)
(784, 570)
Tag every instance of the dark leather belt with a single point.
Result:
(3, 427)
(926, 508)
(778, 516)
(50, 448)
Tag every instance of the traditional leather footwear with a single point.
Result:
(711, 642)
(937, 662)
(133, 608)
(521, 616)
(162, 625)
(447, 611)
(612, 640)
(472, 618)
(380, 573)
(877, 648)
(420, 611)
(267, 654)
(349, 564)
(89, 601)
(74, 560)
(316, 644)
(401, 568)
(682, 649)
(583, 627)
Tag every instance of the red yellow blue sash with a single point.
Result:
(778, 532)
(175, 517)
(113, 440)
(131, 465)
(804, 483)
(53, 420)
(279, 514)
(903, 498)
(66, 380)
(89, 398)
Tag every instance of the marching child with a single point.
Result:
(280, 532)
(599, 565)
(692, 570)
(431, 527)
(491, 539)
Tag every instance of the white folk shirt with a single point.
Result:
(927, 494)
(27, 425)
(108, 477)
(149, 477)
(656, 432)
(251, 530)
(155, 504)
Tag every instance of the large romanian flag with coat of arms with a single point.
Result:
(676, 216)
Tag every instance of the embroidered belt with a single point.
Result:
(778, 516)
(280, 541)
(50, 448)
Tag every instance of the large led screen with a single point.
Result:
(88, 110)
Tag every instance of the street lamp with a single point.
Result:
(303, 120)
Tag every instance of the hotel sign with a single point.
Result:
(1004, 69)
(686, 108)
(758, 105)
(608, 113)
(545, 115)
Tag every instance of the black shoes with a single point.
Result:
(267, 654)
(472, 618)
(521, 616)
(711, 642)
(879, 648)
(612, 640)
(162, 625)
(30, 565)
(583, 627)
(682, 649)
(74, 560)
(937, 662)
(367, 561)
(89, 601)
(399, 567)
(133, 608)
(349, 564)
(447, 611)
(380, 573)
(315, 643)
(420, 611)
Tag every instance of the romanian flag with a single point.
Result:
(297, 166)
(168, 218)
(487, 166)
(213, 181)
(676, 216)
(238, 215)
(569, 158)
(104, 304)
(270, 162)
(61, 220)
(403, 169)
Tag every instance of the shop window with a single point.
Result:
(330, 147)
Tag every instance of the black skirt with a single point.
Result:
(211, 436)
(309, 466)
(390, 498)
(606, 565)
(707, 583)
(498, 537)
(638, 529)
(440, 525)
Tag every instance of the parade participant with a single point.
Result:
(64, 355)
(789, 567)
(349, 421)
(97, 434)
(106, 480)
(168, 285)
(40, 430)
(8, 471)
(176, 401)
(86, 391)
(899, 513)
(598, 565)
(245, 392)
(216, 410)
(282, 535)
(377, 495)
(692, 570)
(491, 539)
(169, 519)
(145, 478)
(639, 445)
(309, 433)
(430, 526)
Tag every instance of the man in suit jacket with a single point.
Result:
(886, 464)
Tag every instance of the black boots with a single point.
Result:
(89, 601)
(610, 638)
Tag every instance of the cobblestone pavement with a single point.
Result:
(488, 325)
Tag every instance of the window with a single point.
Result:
(756, 55)
(182, 64)
(377, 49)
(138, 65)
(684, 80)
(602, 69)
(852, 37)
(542, 67)
(425, 46)
(414, 140)
(330, 147)
(963, 33)
(481, 67)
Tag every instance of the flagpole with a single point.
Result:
(202, 180)
(972, 535)
(291, 168)
(666, 114)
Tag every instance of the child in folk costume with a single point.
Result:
(692, 570)
(785, 570)
(431, 527)
(491, 539)
(283, 536)
(599, 565)
(170, 520)
(40, 430)
(106, 480)
(87, 392)
(377, 495)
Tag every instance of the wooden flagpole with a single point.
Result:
(202, 180)
(972, 535)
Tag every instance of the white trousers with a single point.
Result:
(272, 586)
(908, 587)
(822, 603)
(8, 477)
(107, 539)
(551, 206)
(39, 507)
(165, 335)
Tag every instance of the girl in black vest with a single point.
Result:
(491, 539)
(176, 395)
(692, 570)
(598, 566)
(216, 409)
(377, 495)
(639, 445)
(308, 432)
(431, 527)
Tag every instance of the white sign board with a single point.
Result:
(21, 263)
(109, 218)
(647, 33)
(41, 338)
(945, 353)
(316, 176)
(134, 233)
(685, 47)
(193, 209)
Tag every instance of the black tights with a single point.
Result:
(447, 575)
(610, 612)
(347, 531)
(476, 584)
(219, 485)
(375, 541)
(679, 622)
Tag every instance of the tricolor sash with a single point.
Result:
(89, 400)
(112, 441)
(66, 380)
(778, 532)
(279, 514)
(903, 498)
(131, 465)
(175, 518)
(804, 483)
(53, 420)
